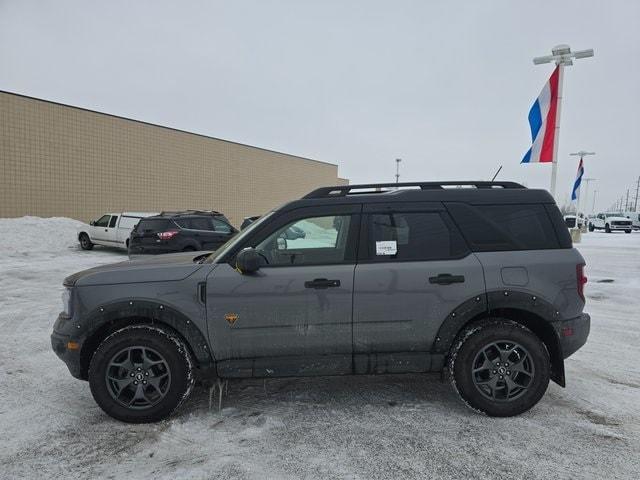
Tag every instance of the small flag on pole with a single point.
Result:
(542, 120)
(575, 194)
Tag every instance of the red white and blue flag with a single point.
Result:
(542, 120)
(575, 193)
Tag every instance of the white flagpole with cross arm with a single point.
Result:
(562, 56)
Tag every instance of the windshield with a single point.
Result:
(225, 247)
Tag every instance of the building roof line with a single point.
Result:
(166, 127)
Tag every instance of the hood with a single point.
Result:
(152, 268)
(618, 219)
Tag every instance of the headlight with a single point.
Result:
(66, 301)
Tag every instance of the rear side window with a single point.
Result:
(413, 236)
(113, 221)
(195, 223)
(505, 227)
(153, 225)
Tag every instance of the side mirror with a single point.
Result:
(92, 223)
(248, 261)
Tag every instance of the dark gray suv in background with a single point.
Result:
(481, 282)
(187, 231)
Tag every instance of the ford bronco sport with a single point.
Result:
(480, 282)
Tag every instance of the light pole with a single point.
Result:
(593, 205)
(398, 160)
(562, 56)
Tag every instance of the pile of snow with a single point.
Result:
(27, 236)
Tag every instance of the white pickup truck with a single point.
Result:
(610, 222)
(110, 230)
(635, 219)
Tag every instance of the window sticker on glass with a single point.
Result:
(387, 247)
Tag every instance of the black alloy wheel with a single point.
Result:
(141, 373)
(499, 367)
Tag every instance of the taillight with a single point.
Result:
(581, 279)
(168, 235)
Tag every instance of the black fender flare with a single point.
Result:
(528, 309)
(107, 318)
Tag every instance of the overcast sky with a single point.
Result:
(446, 86)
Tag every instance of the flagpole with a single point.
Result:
(561, 55)
(556, 136)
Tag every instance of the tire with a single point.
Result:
(85, 242)
(473, 349)
(591, 229)
(607, 229)
(627, 231)
(156, 358)
(189, 248)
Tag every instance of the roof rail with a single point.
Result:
(343, 190)
(189, 212)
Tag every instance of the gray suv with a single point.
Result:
(480, 282)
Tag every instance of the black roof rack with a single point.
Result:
(343, 190)
(188, 212)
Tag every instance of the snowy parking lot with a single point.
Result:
(401, 426)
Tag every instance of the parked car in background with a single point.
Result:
(110, 230)
(248, 221)
(635, 219)
(611, 222)
(171, 232)
(572, 221)
(480, 282)
(292, 233)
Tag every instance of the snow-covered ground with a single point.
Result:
(402, 426)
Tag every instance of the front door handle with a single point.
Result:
(321, 283)
(446, 279)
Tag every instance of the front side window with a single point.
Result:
(103, 221)
(308, 241)
(413, 236)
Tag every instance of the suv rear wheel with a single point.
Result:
(141, 374)
(500, 368)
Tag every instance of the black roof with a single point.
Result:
(472, 192)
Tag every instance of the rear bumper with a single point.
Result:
(573, 333)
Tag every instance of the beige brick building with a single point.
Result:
(58, 160)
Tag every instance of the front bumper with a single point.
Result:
(59, 343)
(573, 333)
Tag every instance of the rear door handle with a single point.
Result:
(446, 279)
(321, 283)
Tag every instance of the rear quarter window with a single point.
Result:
(505, 227)
(153, 225)
(128, 222)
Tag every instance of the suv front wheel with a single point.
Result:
(141, 374)
(499, 368)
